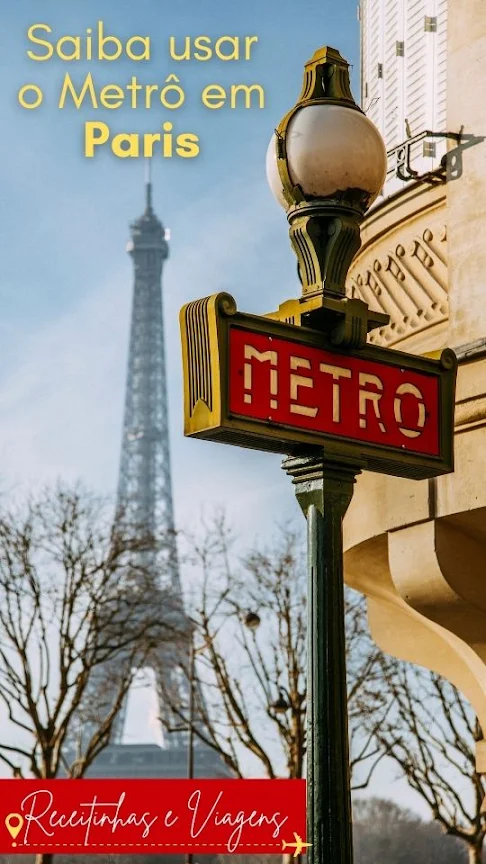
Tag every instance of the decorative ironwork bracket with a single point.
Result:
(403, 158)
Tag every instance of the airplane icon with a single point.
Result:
(299, 845)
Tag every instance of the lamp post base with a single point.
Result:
(324, 490)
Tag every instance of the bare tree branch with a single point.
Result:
(75, 598)
(254, 680)
(430, 733)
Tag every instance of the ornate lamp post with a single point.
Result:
(326, 164)
(319, 392)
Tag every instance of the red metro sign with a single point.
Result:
(260, 383)
(280, 381)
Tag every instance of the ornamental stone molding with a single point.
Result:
(401, 268)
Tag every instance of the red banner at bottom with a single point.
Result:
(153, 816)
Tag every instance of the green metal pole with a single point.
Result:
(324, 490)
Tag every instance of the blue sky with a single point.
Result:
(66, 279)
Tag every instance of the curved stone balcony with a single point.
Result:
(418, 549)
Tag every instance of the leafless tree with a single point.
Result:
(365, 696)
(430, 733)
(75, 599)
(385, 832)
(250, 624)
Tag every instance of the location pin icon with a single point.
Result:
(14, 822)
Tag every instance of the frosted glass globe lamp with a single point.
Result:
(326, 164)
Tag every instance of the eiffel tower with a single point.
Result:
(145, 500)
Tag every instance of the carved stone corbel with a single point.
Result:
(425, 585)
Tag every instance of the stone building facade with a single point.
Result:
(418, 549)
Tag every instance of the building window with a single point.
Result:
(429, 148)
(366, 90)
(430, 24)
(400, 48)
(380, 70)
